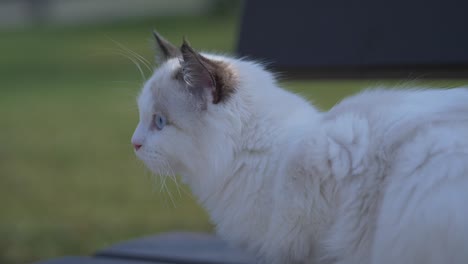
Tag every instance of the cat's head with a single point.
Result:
(187, 116)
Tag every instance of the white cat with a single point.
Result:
(380, 178)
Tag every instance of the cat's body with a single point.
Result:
(380, 178)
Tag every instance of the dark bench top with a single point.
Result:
(173, 248)
(96, 260)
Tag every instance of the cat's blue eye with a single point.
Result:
(159, 121)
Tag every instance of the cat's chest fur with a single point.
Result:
(243, 207)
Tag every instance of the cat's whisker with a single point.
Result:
(169, 193)
(161, 188)
(163, 183)
(142, 59)
(150, 175)
(129, 56)
(174, 179)
(122, 53)
(179, 189)
(164, 175)
(171, 197)
(130, 91)
(135, 61)
(170, 173)
(135, 54)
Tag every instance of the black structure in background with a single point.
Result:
(362, 38)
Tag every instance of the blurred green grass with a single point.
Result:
(69, 182)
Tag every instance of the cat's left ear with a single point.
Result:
(166, 50)
(199, 72)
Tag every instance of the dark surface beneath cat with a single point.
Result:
(175, 248)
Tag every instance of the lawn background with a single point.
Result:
(69, 181)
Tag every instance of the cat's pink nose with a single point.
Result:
(136, 146)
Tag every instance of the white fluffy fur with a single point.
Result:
(380, 178)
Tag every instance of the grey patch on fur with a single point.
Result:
(200, 72)
(178, 75)
(199, 94)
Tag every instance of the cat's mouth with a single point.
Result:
(155, 161)
(148, 156)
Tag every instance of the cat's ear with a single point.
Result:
(166, 50)
(204, 74)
